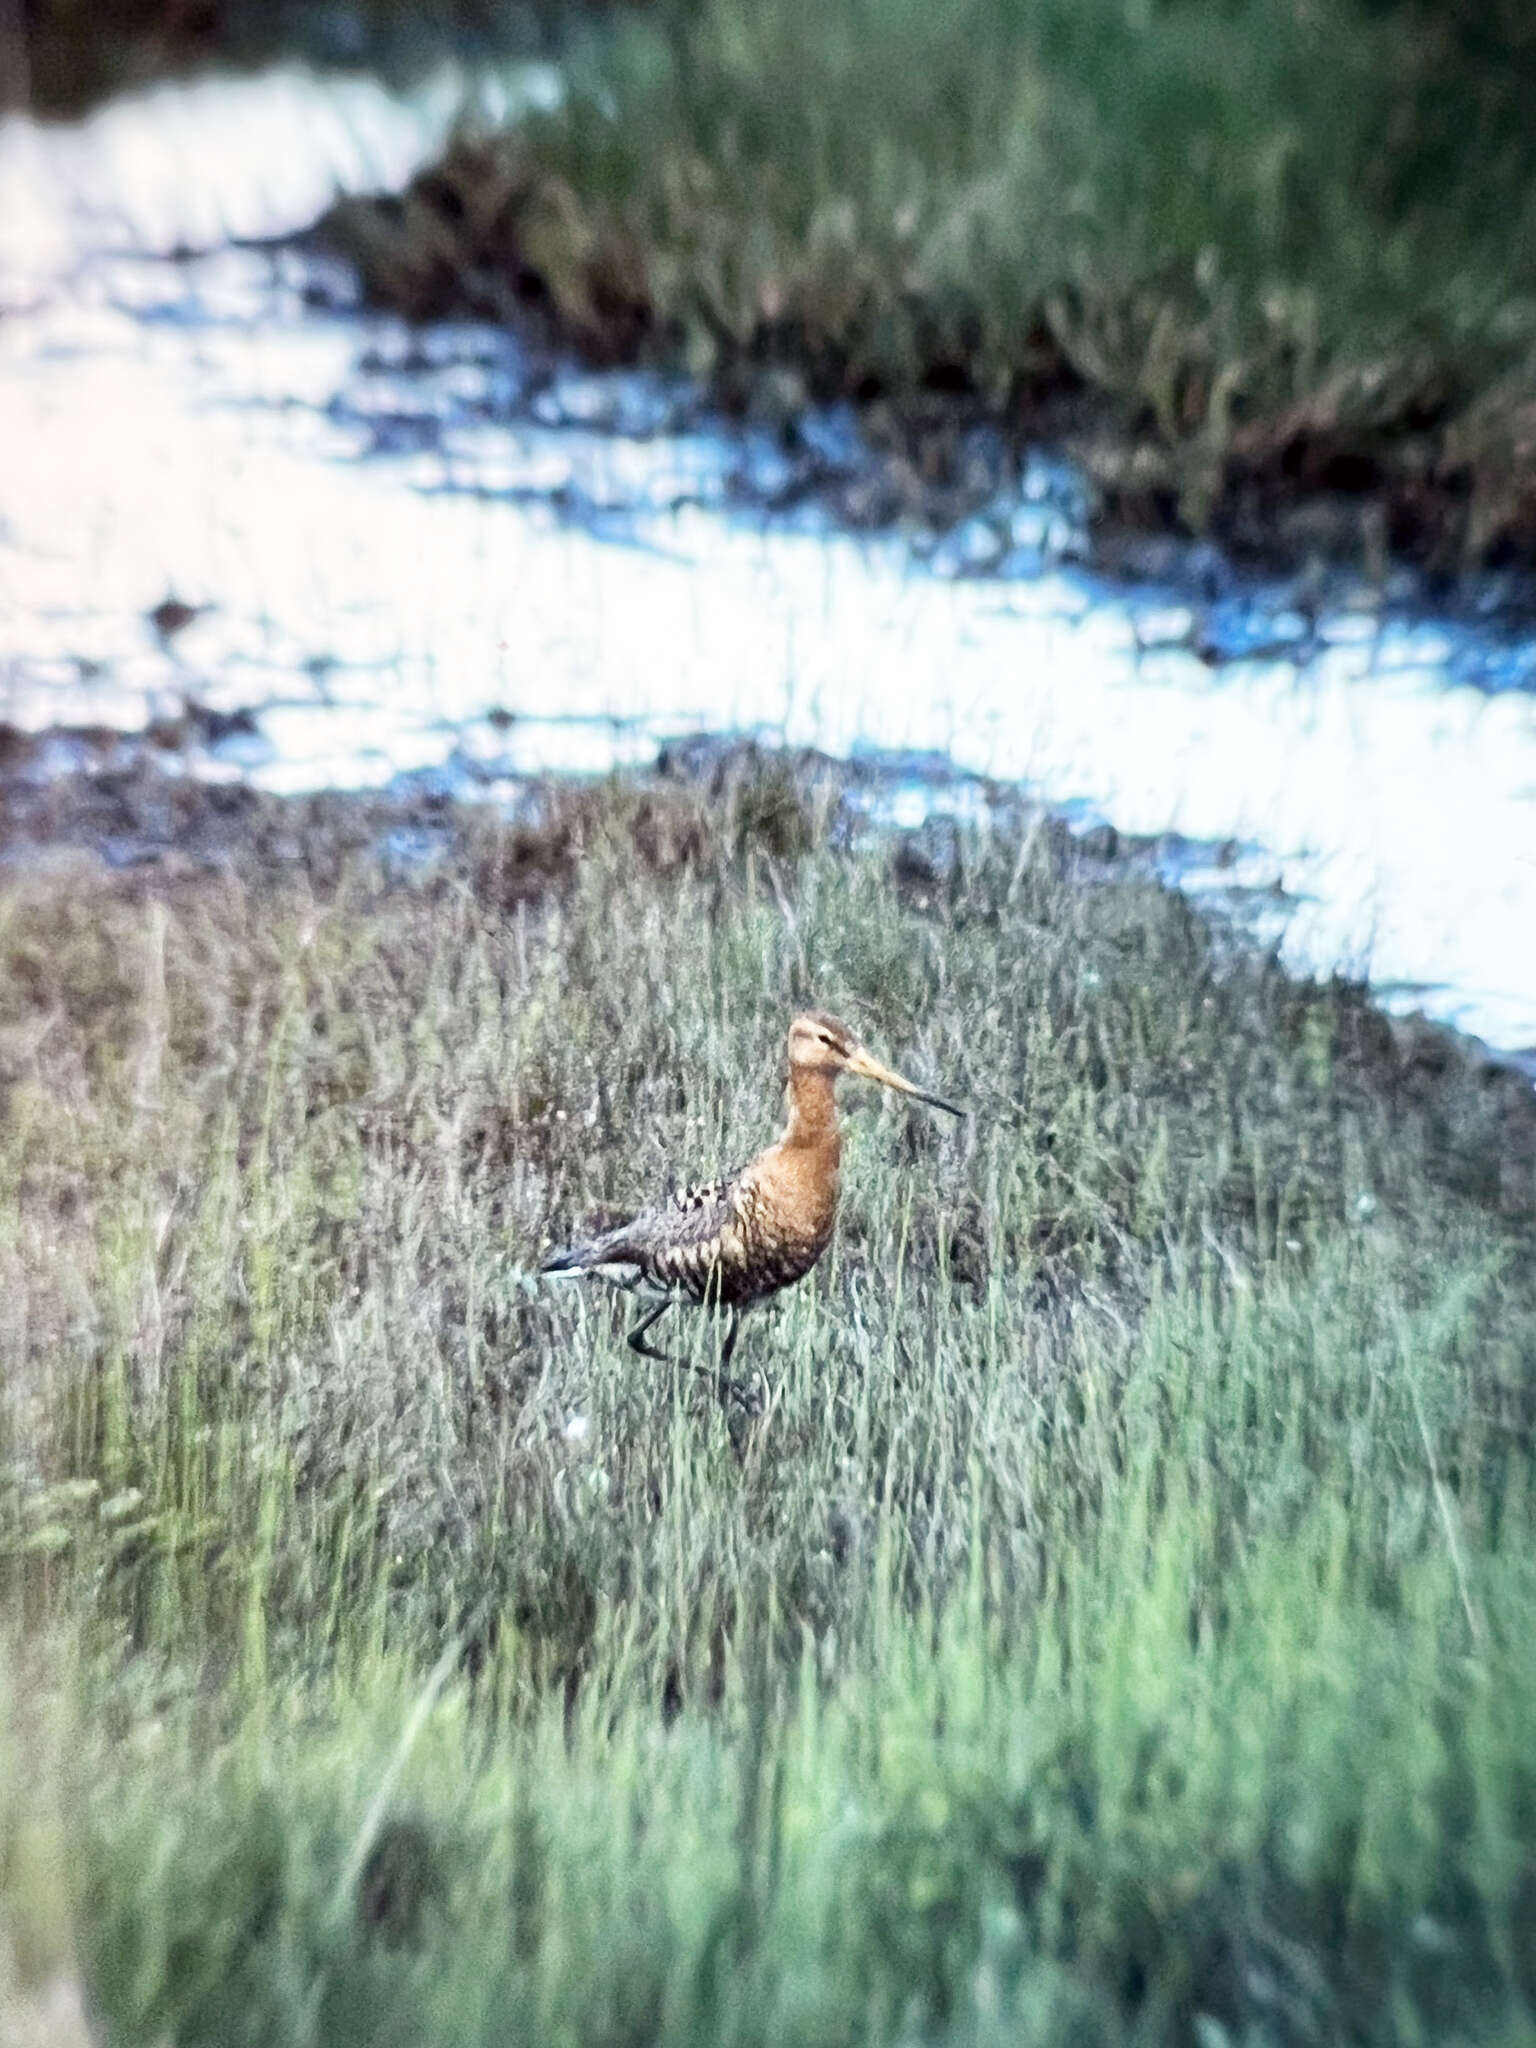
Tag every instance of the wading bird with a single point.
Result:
(736, 1240)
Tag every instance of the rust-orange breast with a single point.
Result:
(770, 1224)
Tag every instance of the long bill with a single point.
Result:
(869, 1068)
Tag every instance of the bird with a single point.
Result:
(733, 1241)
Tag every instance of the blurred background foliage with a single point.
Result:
(1477, 61)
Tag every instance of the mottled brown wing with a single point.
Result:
(693, 1241)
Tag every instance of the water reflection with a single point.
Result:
(436, 554)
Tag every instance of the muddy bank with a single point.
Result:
(746, 816)
(1408, 460)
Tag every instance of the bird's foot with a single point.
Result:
(636, 1337)
(638, 1343)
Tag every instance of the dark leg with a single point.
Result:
(729, 1346)
(637, 1334)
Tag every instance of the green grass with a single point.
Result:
(1241, 252)
(1117, 1624)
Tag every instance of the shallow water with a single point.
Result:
(438, 555)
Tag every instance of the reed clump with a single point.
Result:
(1266, 269)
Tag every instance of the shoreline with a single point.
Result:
(1199, 375)
(134, 821)
(1383, 466)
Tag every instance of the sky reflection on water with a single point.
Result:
(428, 555)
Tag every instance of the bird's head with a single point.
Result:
(820, 1044)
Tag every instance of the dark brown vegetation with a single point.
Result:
(61, 56)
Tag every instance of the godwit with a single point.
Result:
(738, 1239)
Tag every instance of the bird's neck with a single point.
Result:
(812, 1106)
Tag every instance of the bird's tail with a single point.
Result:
(576, 1258)
(584, 1258)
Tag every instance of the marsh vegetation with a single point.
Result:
(1113, 1619)
(1106, 1611)
(1266, 268)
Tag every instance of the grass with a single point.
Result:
(1116, 1621)
(1245, 257)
